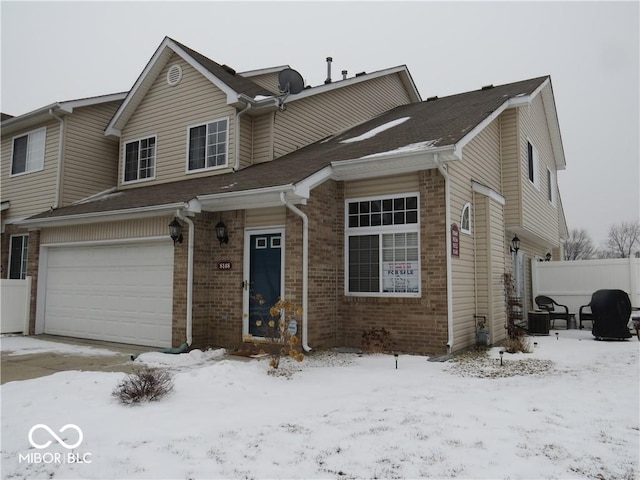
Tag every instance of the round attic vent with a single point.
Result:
(174, 75)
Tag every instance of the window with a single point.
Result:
(533, 163)
(383, 246)
(551, 186)
(28, 152)
(18, 256)
(208, 145)
(140, 159)
(465, 219)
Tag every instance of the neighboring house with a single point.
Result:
(343, 203)
(52, 157)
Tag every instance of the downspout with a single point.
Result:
(60, 150)
(447, 192)
(182, 216)
(236, 165)
(305, 270)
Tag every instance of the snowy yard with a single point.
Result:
(567, 410)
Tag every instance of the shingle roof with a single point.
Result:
(436, 123)
(237, 83)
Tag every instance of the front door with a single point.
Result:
(263, 288)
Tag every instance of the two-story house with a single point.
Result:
(356, 200)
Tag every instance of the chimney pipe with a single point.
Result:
(344, 74)
(328, 80)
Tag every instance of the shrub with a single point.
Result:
(143, 385)
(519, 343)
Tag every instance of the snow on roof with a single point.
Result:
(412, 147)
(373, 132)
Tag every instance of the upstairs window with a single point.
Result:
(533, 164)
(18, 251)
(140, 159)
(551, 186)
(465, 219)
(383, 246)
(28, 152)
(208, 145)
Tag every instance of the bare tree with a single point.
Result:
(623, 240)
(578, 245)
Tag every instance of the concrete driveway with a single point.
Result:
(34, 365)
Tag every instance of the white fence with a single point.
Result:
(15, 298)
(572, 283)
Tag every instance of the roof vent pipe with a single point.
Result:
(344, 74)
(328, 80)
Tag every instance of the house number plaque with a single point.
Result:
(455, 241)
(224, 265)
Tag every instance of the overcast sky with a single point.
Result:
(54, 51)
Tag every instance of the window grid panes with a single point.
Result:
(18, 256)
(208, 145)
(400, 263)
(383, 212)
(28, 152)
(140, 159)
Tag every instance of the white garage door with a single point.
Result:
(118, 293)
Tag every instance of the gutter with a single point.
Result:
(305, 270)
(180, 214)
(60, 152)
(447, 189)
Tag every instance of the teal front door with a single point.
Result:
(265, 279)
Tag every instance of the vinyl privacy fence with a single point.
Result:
(14, 306)
(572, 283)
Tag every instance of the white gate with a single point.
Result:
(16, 298)
(572, 283)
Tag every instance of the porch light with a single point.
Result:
(515, 244)
(175, 231)
(547, 257)
(222, 233)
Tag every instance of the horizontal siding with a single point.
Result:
(382, 186)
(262, 138)
(167, 112)
(538, 214)
(141, 228)
(90, 158)
(497, 253)
(246, 140)
(268, 81)
(265, 217)
(511, 176)
(34, 192)
(313, 118)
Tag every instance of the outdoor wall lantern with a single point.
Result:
(515, 244)
(222, 233)
(547, 257)
(175, 231)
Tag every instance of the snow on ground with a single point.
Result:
(19, 345)
(572, 412)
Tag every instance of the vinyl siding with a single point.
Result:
(511, 171)
(90, 158)
(34, 192)
(168, 112)
(267, 81)
(246, 140)
(313, 118)
(265, 217)
(262, 138)
(497, 311)
(538, 214)
(382, 186)
(140, 228)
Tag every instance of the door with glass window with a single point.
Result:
(264, 284)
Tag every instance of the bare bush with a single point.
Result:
(144, 385)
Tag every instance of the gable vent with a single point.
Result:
(174, 75)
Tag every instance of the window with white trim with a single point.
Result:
(551, 186)
(383, 246)
(28, 152)
(18, 250)
(208, 145)
(465, 219)
(140, 159)
(533, 164)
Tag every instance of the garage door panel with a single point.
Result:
(120, 293)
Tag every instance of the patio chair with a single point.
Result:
(586, 315)
(548, 304)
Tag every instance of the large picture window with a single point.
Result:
(18, 251)
(140, 159)
(28, 152)
(383, 246)
(208, 145)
